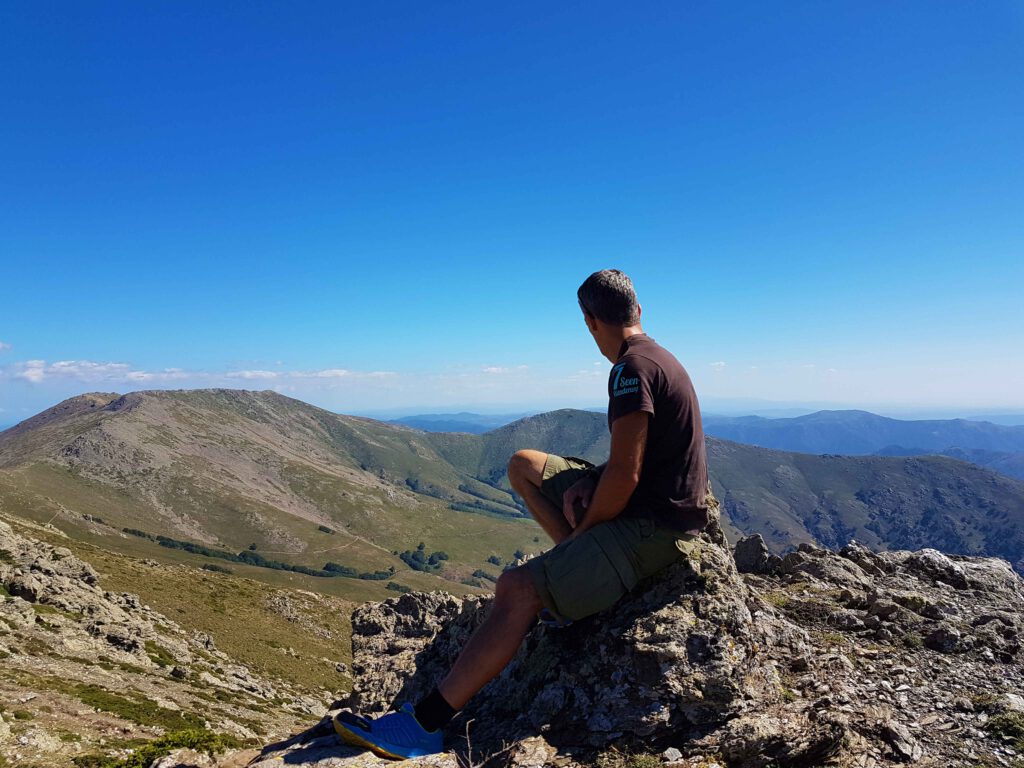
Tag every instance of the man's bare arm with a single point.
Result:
(621, 473)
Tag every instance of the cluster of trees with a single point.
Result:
(250, 557)
(352, 573)
(480, 507)
(517, 555)
(419, 560)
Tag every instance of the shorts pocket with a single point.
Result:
(584, 582)
(657, 549)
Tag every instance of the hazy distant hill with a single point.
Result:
(1011, 464)
(473, 423)
(859, 432)
(231, 469)
(1006, 419)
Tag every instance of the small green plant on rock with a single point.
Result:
(159, 655)
(1008, 726)
(912, 640)
(198, 739)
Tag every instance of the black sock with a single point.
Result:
(434, 712)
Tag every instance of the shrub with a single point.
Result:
(198, 739)
(419, 560)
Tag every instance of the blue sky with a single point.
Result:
(390, 206)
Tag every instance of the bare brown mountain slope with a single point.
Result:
(234, 469)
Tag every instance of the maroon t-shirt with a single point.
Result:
(674, 477)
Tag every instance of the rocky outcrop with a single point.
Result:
(683, 653)
(819, 658)
(847, 658)
(83, 669)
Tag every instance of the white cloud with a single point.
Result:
(495, 369)
(87, 370)
(4, 346)
(251, 375)
(38, 371)
(31, 370)
(718, 365)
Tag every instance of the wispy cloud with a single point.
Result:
(88, 371)
(718, 366)
(252, 375)
(37, 371)
(4, 346)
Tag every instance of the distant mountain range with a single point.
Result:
(256, 471)
(473, 423)
(996, 446)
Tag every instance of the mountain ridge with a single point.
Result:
(862, 432)
(234, 468)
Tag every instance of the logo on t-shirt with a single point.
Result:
(623, 386)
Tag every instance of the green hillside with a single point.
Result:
(228, 470)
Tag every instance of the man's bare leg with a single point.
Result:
(496, 641)
(516, 601)
(525, 472)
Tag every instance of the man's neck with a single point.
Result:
(617, 341)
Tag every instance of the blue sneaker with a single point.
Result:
(396, 735)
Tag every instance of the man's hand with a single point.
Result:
(580, 492)
(620, 476)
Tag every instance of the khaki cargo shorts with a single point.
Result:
(590, 573)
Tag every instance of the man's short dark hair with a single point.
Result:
(609, 296)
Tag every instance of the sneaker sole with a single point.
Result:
(355, 740)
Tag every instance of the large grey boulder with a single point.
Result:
(682, 653)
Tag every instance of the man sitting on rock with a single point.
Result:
(612, 525)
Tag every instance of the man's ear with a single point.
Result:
(591, 322)
(639, 312)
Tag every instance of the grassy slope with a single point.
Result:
(233, 469)
(231, 608)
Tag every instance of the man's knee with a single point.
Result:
(526, 466)
(515, 591)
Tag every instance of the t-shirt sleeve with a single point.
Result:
(629, 388)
